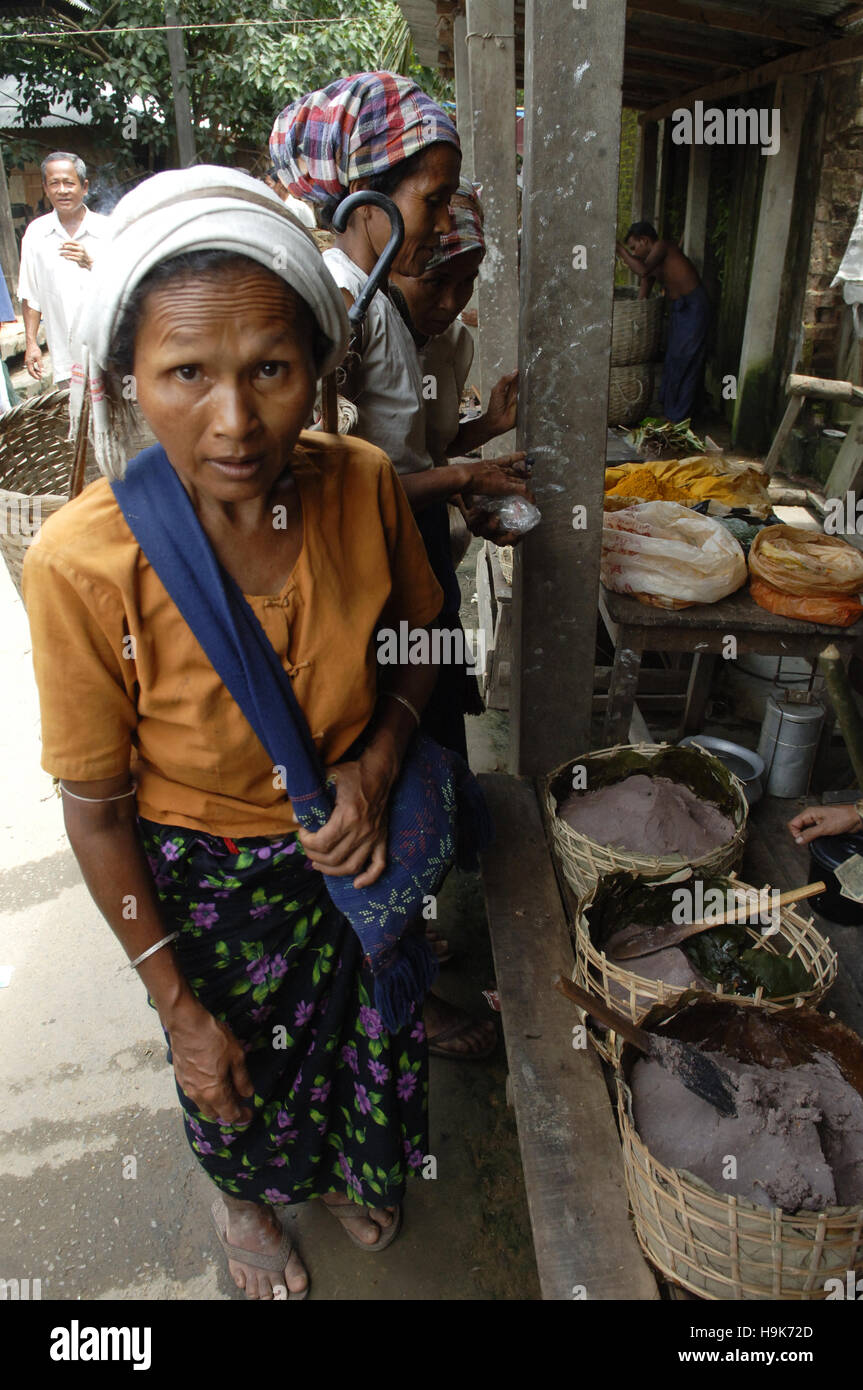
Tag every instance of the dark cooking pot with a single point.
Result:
(825, 855)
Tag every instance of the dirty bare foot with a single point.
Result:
(252, 1226)
(453, 1033)
(366, 1223)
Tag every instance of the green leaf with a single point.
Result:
(376, 1047)
(376, 1187)
(378, 1115)
(241, 987)
(367, 1170)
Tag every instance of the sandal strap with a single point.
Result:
(273, 1264)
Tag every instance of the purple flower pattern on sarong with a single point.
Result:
(337, 1107)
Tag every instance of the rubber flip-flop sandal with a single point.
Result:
(386, 1237)
(456, 1030)
(273, 1264)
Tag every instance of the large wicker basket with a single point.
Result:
(721, 1246)
(636, 327)
(635, 995)
(584, 861)
(629, 391)
(36, 462)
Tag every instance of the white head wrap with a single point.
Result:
(199, 209)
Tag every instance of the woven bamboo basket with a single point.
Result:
(725, 1247)
(635, 995)
(636, 328)
(629, 391)
(584, 861)
(36, 463)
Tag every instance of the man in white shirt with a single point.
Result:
(57, 253)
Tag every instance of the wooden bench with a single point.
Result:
(570, 1149)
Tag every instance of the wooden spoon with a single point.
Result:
(696, 1071)
(644, 941)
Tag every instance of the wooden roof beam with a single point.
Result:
(679, 72)
(703, 57)
(768, 25)
(826, 55)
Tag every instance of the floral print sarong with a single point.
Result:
(340, 1104)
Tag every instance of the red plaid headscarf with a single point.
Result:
(466, 233)
(354, 128)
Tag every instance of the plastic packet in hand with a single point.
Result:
(516, 513)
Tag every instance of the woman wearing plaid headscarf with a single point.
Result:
(381, 131)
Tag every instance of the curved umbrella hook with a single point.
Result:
(378, 277)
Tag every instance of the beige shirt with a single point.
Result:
(54, 285)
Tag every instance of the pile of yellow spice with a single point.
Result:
(644, 484)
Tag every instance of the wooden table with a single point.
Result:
(703, 630)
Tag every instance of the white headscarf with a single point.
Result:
(199, 209)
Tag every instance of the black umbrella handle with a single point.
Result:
(379, 275)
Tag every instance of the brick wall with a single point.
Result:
(839, 192)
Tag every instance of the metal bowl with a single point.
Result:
(745, 764)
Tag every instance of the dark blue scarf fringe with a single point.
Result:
(403, 983)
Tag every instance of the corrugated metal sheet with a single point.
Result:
(61, 114)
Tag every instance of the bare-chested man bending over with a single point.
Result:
(652, 258)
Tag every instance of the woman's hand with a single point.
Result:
(502, 412)
(210, 1064)
(815, 821)
(354, 839)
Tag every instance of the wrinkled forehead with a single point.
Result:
(61, 169)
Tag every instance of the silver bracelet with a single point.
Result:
(96, 800)
(151, 950)
(404, 701)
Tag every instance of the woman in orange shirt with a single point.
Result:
(215, 304)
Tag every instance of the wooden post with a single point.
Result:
(663, 138)
(464, 113)
(180, 83)
(491, 57)
(644, 192)
(573, 72)
(8, 245)
(756, 382)
(695, 227)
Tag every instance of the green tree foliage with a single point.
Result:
(240, 77)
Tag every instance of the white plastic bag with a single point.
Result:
(669, 555)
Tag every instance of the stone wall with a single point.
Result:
(837, 201)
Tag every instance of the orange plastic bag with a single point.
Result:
(836, 610)
(802, 562)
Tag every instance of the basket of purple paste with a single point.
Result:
(780, 961)
(766, 1203)
(649, 809)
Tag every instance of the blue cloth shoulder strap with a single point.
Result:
(161, 516)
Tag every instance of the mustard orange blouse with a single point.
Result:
(123, 683)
